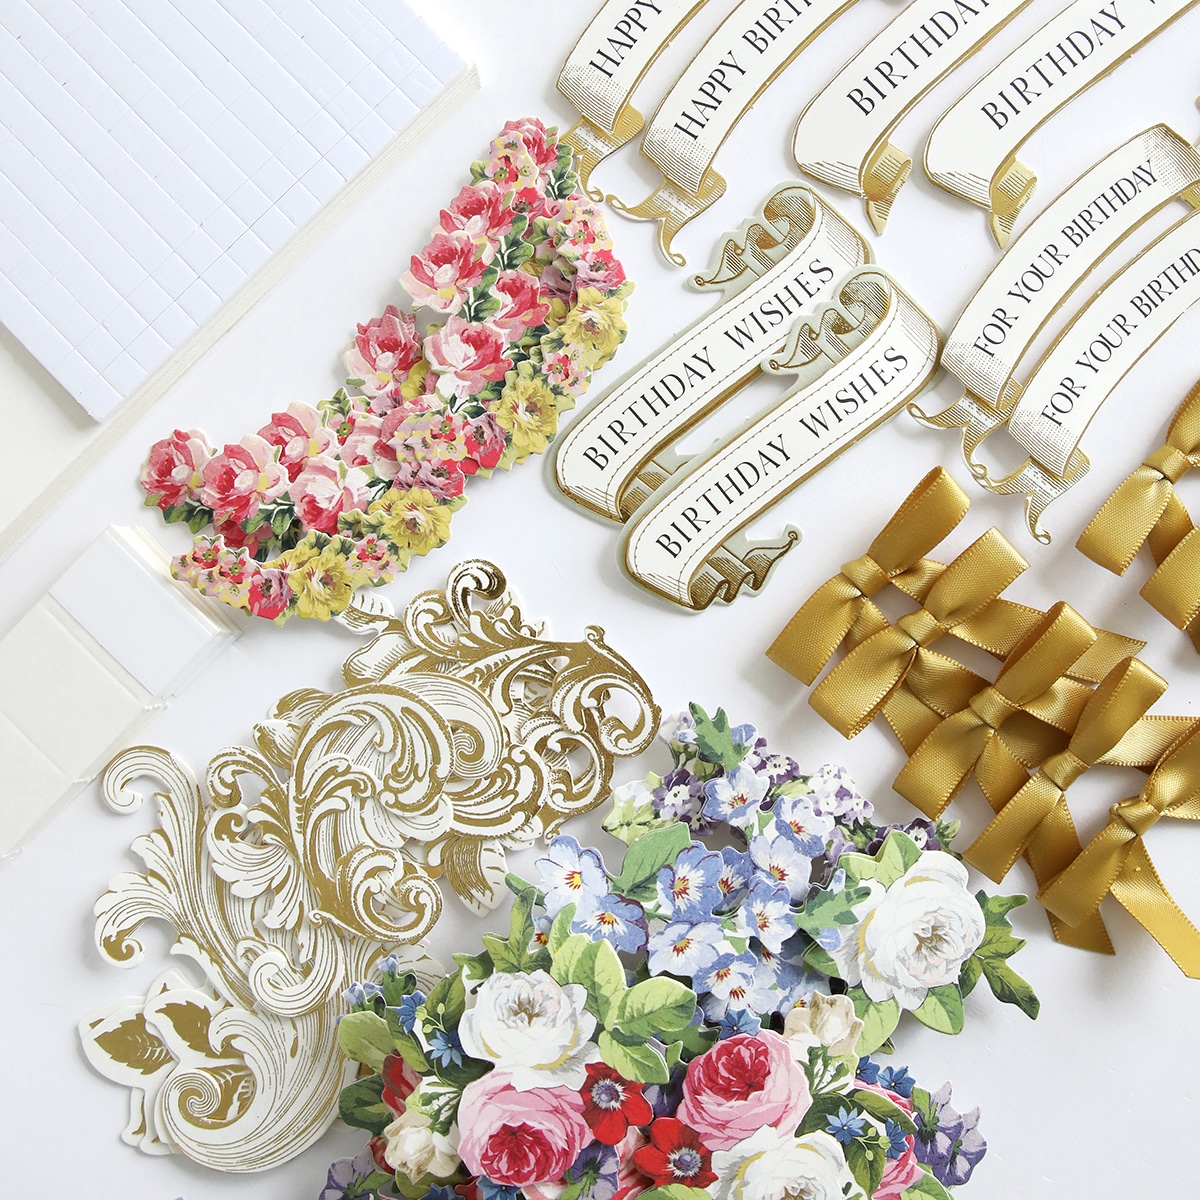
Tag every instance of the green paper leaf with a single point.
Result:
(1009, 988)
(396, 987)
(596, 967)
(926, 1188)
(890, 861)
(640, 1063)
(694, 1039)
(867, 1159)
(883, 1108)
(475, 968)
(646, 856)
(438, 1100)
(447, 1002)
(628, 818)
(364, 1037)
(656, 1008)
(405, 1044)
(942, 1009)
(817, 1113)
(560, 928)
(714, 739)
(879, 1018)
(361, 1105)
(675, 1191)
(969, 975)
(826, 909)
(818, 959)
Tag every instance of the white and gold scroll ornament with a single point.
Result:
(1089, 358)
(842, 137)
(1044, 266)
(605, 68)
(772, 270)
(735, 66)
(460, 732)
(973, 148)
(858, 361)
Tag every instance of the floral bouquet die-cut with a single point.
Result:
(522, 299)
(703, 1021)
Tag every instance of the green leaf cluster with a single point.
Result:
(714, 739)
(991, 959)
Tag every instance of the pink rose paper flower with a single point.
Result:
(269, 593)
(601, 270)
(173, 472)
(485, 442)
(466, 356)
(480, 211)
(743, 1084)
(300, 434)
(521, 304)
(359, 446)
(321, 491)
(384, 352)
(517, 1138)
(444, 272)
(532, 132)
(242, 478)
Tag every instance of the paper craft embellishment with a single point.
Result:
(1045, 265)
(526, 299)
(857, 360)
(1037, 716)
(728, 74)
(722, 1064)
(460, 731)
(605, 68)
(1102, 343)
(774, 268)
(842, 136)
(1146, 510)
(973, 148)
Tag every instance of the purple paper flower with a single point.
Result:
(348, 1177)
(953, 1147)
(680, 797)
(835, 794)
(596, 1170)
(778, 768)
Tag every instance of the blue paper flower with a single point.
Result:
(684, 949)
(738, 1020)
(616, 920)
(736, 797)
(783, 860)
(797, 819)
(897, 1138)
(689, 888)
(445, 1049)
(845, 1127)
(407, 1010)
(358, 995)
(572, 875)
(766, 914)
(898, 1080)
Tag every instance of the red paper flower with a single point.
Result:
(611, 1104)
(675, 1155)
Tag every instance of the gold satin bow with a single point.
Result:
(1116, 862)
(856, 690)
(973, 739)
(1146, 508)
(841, 606)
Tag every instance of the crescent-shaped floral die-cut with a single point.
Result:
(516, 300)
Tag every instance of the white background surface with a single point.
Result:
(1098, 1097)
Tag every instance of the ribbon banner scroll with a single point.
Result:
(605, 68)
(973, 148)
(1044, 266)
(858, 361)
(842, 136)
(735, 66)
(1090, 357)
(772, 270)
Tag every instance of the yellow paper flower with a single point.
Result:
(414, 385)
(528, 411)
(596, 325)
(415, 520)
(320, 580)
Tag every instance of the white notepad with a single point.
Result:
(155, 154)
